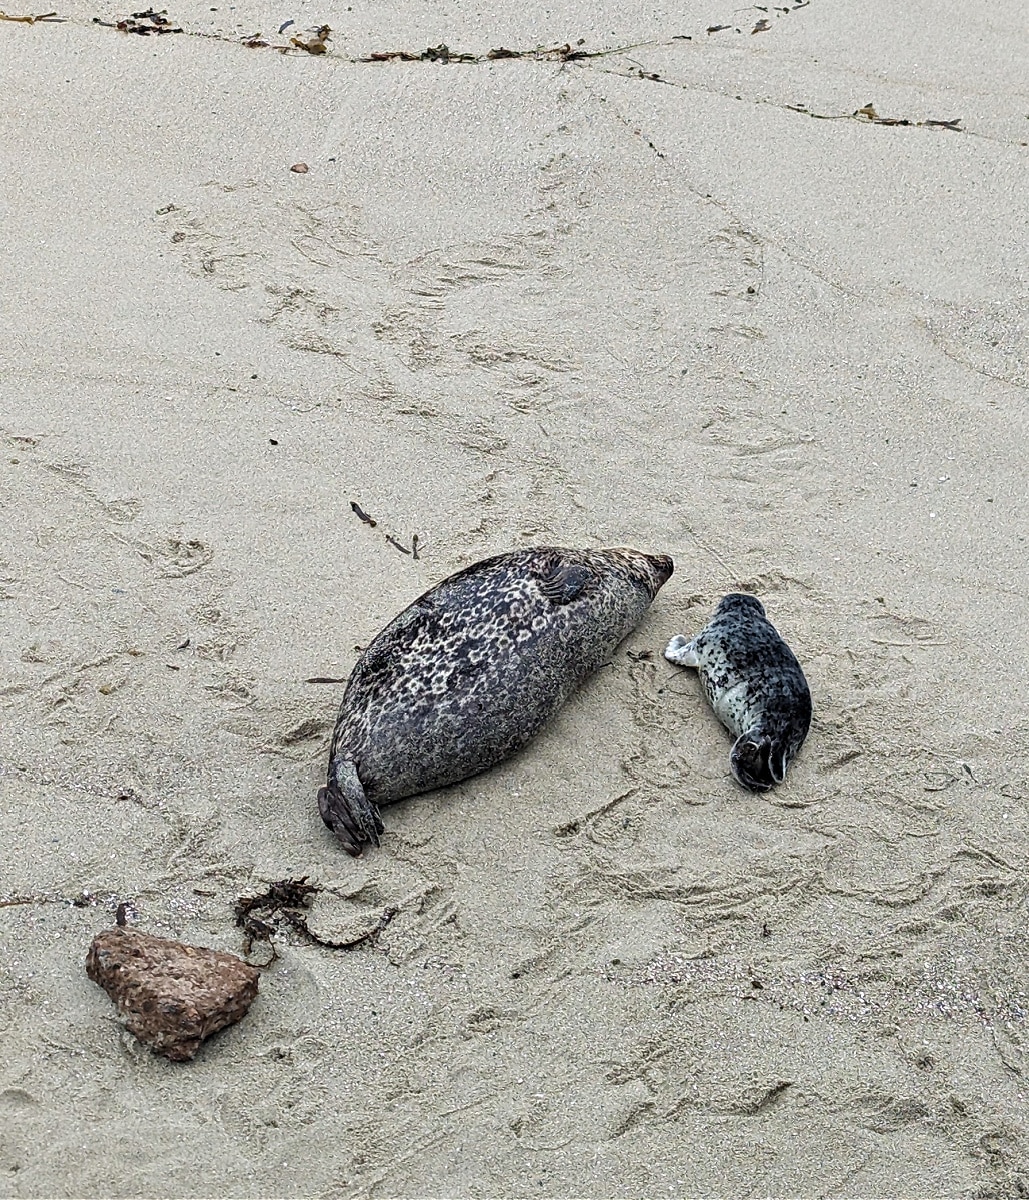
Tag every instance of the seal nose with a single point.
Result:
(662, 566)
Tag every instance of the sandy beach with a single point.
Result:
(751, 288)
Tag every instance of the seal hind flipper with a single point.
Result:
(345, 808)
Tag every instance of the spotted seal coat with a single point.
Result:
(755, 686)
(473, 670)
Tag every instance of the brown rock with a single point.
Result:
(171, 996)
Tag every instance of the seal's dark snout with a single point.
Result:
(663, 567)
(751, 762)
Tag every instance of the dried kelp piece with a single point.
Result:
(314, 41)
(142, 23)
(564, 52)
(443, 54)
(868, 113)
(391, 56)
(170, 995)
(286, 893)
(256, 915)
(290, 899)
(803, 108)
(52, 17)
(361, 514)
(158, 19)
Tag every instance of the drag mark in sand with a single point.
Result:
(84, 899)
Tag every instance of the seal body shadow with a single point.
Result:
(473, 670)
(755, 686)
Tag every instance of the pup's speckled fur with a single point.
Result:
(471, 671)
(755, 686)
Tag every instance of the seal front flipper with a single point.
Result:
(682, 651)
(345, 808)
(566, 582)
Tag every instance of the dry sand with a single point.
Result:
(642, 298)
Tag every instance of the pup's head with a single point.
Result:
(759, 762)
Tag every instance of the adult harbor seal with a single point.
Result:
(755, 686)
(473, 670)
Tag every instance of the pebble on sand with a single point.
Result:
(171, 996)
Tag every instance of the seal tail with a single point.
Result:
(345, 808)
(758, 761)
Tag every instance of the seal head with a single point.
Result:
(472, 670)
(755, 685)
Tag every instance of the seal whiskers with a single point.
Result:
(755, 686)
(472, 670)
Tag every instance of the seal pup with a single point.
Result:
(755, 686)
(473, 670)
